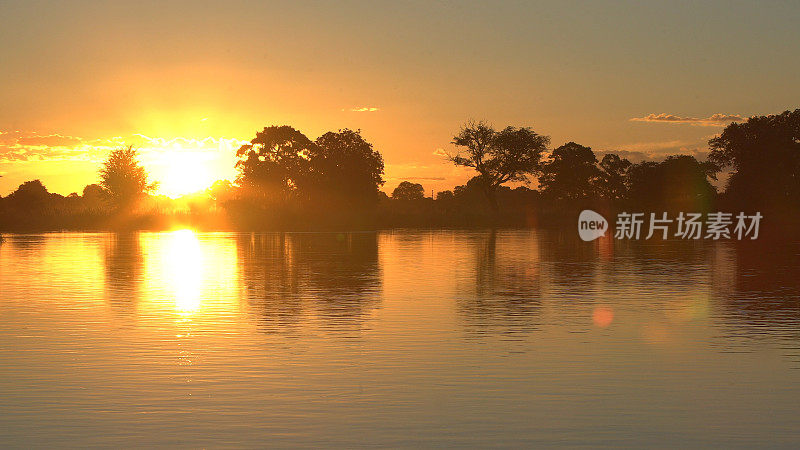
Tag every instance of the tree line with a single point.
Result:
(286, 180)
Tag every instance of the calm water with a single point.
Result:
(396, 339)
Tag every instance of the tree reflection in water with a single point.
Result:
(297, 278)
(124, 264)
(504, 296)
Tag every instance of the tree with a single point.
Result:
(680, 182)
(445, 196)
(471, 192)
(407, 190)
(30, 195)
(338, 172)
(123, 178)
(94, 196)
(275, 163)
(643, 182)
(570, 173)
(611, 182)
(220, 191)
(345, 171)
(512, 154)
(94, 191)
(764, 155)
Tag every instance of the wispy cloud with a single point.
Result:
(656, 146)
(50, 140)
(20, 146)
(418, 178)
(713, 120)
(658, 150)
(642, 156)
(209, 143)
(362, 109)
(12, 153)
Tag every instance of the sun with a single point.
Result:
(183, 172)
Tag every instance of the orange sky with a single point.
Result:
(187, 83)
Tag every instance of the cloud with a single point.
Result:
(50, 140)
(363, 109)
(714, 120)
(658, 150)
(439, 152)
(21, 146)
(209, 143)
(39, 153)
(418, 178)
(657, 146)
(637, 157)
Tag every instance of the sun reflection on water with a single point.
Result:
(188, 274)
(183, 264)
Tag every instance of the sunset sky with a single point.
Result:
(188, 81)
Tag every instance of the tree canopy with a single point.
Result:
(678, 182)
(123, 178)
(275, 163)
(345, 169)
(281, 163)
(31, 194)
(512, 154)
(570, 173)
(764, 156)
(407, 190)
(612, 183)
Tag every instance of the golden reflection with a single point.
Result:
(190, 274)
(190, 292)
(183, 267)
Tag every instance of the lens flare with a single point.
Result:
(602, 316)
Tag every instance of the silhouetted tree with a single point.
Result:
(345, 171)
(275, 163)
(472, 191)
(643, 183)
(512, 154)
(220, 190)
(445, 196)
(93, 193)
(570, 173)
(679, 182)
(32, 207)
(611, 182)
(407, 190)
(29, 195)
(123, 178)
(764, 153)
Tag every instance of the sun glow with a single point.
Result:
(183, 172)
